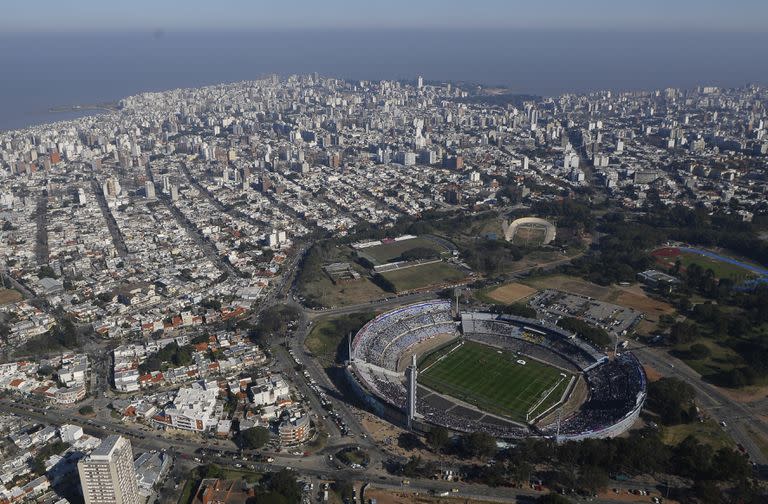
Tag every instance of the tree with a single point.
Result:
(284, 483)
(683, 332)
(345, 489)
(211, 471)
(478, 444)
(699, 351)
(593, 479)
(707, 492)
(518, 309)
(595, 335)
(384, 283)
(692, 459)
(86, 410)
(412, 468)
(254, 438)
(417, 253)
(438, 438)
(268, 498)
(673, 400)
(730, 465)
(552, 498)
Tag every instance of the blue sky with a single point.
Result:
(98, 15)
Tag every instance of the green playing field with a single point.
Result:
(494, 381)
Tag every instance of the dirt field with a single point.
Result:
(651, 373)
(529, 236)
(386, 435)
(9, 296)
(511, 292)
(344, 293)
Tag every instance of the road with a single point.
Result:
(145, 439)
(720, 406)
(114, 229)
(206, 246)
(41, 238)
(234, 212)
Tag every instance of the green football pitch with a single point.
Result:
(494, 381)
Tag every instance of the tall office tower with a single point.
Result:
(420, 81)
(410, 376)
(107, 475)
(174, 192)
(149, 189)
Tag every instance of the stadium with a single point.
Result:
(509, 376)
(529, 231)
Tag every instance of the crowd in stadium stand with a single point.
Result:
(384, 339)
(462, 423)
(617, 388)
(534, 332)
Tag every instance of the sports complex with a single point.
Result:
(509, 376)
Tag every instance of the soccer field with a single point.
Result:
(492, 380)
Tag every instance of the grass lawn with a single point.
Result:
(323, 341)
(187, 491)
(708, 432)
(327, 335)
(416, 277)
(503, 387)
(389, 252)
(720, 359)
(721, 269)
(529, 236)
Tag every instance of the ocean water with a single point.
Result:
(40, 71)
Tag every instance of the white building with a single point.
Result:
(194, 408)
(107, 475)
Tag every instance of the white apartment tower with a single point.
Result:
(107, 475)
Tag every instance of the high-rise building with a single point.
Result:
(149, 189)
(107, 475)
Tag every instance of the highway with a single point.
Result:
(717, 404)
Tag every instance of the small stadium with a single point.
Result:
(529, 232)
(411, 263)
(511, 377)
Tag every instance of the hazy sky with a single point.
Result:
(78, 15)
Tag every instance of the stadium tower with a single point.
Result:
(410, 375)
